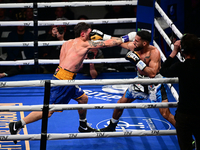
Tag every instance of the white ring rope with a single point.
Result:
(168, 41)
(164, 35)
(31, 44)
(56, 61)
(40, 83)
(168, 21)
(173, 91)
(16, 5)
(91, 21)
(59, 107)
(89, 3)
(68, 4)
(89, 135)
(17, 44)
(68, 22)
(16, 23)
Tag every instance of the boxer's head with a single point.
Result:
(142, 38)
(82, 27)
(190, 44)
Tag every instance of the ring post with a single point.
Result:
(45, 113)
(145, 19)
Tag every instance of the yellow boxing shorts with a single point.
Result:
(63, 94)
(64, 74)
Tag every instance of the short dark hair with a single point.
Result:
(144, 35)
(81, 26)
(82, 17)
(190, 44)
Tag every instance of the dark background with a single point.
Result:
(184, 14)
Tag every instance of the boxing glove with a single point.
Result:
(134, 58)
(98, 35)
(128, 37)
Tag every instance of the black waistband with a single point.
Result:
(144, 76)
(67, 70)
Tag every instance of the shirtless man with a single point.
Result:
(71, 57)
(148, 62)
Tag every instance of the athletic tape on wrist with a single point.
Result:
(106, 37)
(141, 65)
(5, 74)
(125, 38)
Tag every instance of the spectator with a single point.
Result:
(17, 13)
(29, 17)
(68, 13)
(59, 13)
(92, 69)
(82, 17)
(20, 34)
(7, 71)
(188, 112)
(113, 12)
(116, 12)
(29, 14)
(3, 17)
(3, 29)
(58, 33)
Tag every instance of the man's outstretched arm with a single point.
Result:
(104, 44)
(109, 41)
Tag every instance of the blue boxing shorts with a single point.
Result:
(154, 93)
(63, 94)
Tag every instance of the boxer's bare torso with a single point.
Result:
(72, 55)
(150, 55)
(73, 51)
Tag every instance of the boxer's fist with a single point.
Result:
(134, 58)
(128, 37)
(98, 35)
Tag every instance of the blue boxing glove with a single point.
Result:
(128, 37)
(134, 58)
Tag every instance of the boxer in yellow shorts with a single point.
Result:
(63, 94)
(72, 55)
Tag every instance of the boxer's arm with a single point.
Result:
(128, 45)
(170, 69)
(99, 35)
(154, 65)
(134, 58)
(103, 44)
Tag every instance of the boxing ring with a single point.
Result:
(97, 106)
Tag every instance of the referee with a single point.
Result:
(188, 72)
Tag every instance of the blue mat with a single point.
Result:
(68, 121)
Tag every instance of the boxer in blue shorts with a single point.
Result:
(148, 62)
(154, 93)
(72, 55)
